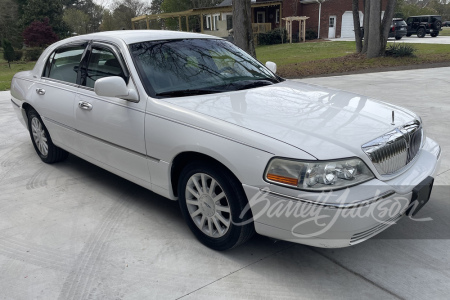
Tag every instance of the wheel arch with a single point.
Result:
(181, 160)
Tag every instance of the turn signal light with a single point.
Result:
(283, 179)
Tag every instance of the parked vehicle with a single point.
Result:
(446, 24)
(423, 25)
(196, 119)
(397, 31)
(398, 28)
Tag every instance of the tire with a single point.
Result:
(433, 35)
(408, 34)
(42, 142)
(437, 25)
(398, 38)
(200, 210)
(421, 33)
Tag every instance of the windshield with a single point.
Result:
(197, 66)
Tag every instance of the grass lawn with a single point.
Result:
(445, 31)
(6, 74)
(312, 59)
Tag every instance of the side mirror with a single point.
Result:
(115, 86)
(272, 66)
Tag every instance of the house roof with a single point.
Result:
(225, 3)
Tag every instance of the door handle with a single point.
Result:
(40, 91)
(85, 105)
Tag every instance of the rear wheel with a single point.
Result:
(211, 201)
(398, 37)
(42, 142)
(435, 34)
(421, 32)
(408, 34)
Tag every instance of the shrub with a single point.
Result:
(276, 36)
(310, 34)
(400, 50)
(32, 54)
(18, 55)
(39, 34)
(8, 51)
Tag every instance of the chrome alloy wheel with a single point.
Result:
(37, 129)
(208, 205)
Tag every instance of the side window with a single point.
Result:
(424, 19)
(102, 63)
(63, 64)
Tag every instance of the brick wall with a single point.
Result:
(329, 8)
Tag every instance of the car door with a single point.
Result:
(111, 129)
(55, 93)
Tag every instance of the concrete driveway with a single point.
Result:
(412, 39)
(74, 231)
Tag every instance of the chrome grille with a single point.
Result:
(395, 149)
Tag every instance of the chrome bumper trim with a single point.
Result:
(330, 205)
(15, 103)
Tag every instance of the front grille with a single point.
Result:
(395, 149)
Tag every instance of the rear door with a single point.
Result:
(111, 129)
(55, 93)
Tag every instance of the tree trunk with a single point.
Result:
(366, 25)
(242, 26)
(374, 40)
(357, 25)
(386, 24)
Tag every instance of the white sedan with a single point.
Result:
(196, 119)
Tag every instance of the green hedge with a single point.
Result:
(32, 54)
(273, 37)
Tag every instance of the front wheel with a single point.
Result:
(42, 142)
(211, 201)
(421, 33)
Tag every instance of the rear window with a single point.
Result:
(399, 23)
(435, 18)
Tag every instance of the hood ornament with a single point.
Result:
(393, 118)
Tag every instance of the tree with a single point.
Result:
(125, 10)
(77, 20)
(8, 52)
(51, 9)
(376, 31)
(107, 21)
(242, 26)
(39, 34)
(357, 25)
(9, 24)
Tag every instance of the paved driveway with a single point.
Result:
(74, 231)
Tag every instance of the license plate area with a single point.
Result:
(420, 196)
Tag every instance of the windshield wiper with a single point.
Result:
(248, 84)
(181, 93)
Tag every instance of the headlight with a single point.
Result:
(317, 175)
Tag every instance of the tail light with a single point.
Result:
(393, 28)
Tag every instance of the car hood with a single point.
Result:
(324, 122)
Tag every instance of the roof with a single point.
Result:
(225, 3)
(135, 36)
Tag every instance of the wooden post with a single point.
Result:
(179, 23)
(201, 23)
(132, 25)
(304, 30)
(148, 22)
(187, 23)
(290, 31)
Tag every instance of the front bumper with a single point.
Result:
(340, 218)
